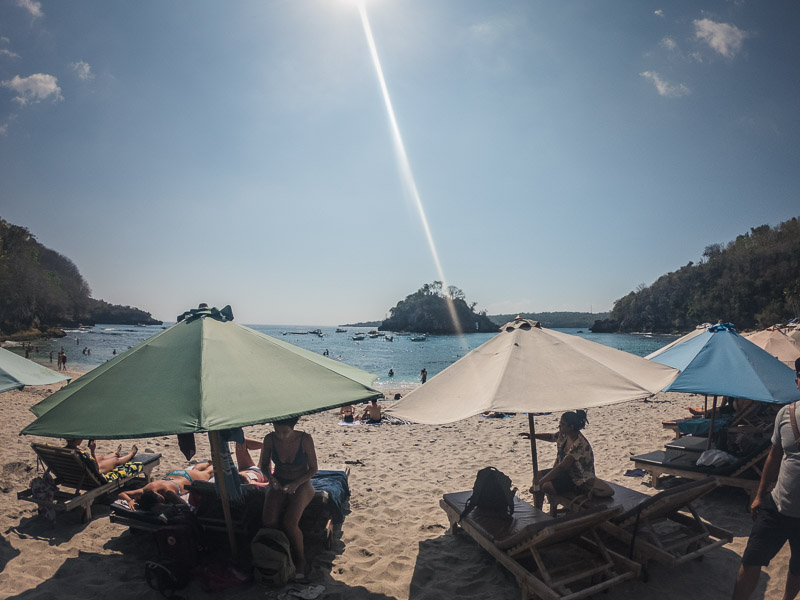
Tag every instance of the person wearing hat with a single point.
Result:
(776, 514)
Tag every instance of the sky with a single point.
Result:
(241, 153)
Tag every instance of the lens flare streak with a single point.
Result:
(405, 166)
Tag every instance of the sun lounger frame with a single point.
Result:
(70, 470)
(638, 525)
(551, 583)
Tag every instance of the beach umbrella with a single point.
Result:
(697, 331)
(16, 372)
(203, 374)
(526, 368)
(777, 343)
(721, 362)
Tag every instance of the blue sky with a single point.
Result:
(240, 152)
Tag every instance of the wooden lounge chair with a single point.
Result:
(551, 558)
(73, 471)
(664, 528)
(745, 473)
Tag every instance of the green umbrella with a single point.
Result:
(203, 374)
(16, 372)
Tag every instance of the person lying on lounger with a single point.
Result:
(105, 462)
(168, 489)
(249, 472)
(574, 465)
(729, 406)
(347, 413)
(295, 459)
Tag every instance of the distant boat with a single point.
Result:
(418, 338)
(359, 337)
(388, 338)
(298, 332)
(316, 332)
(340, 330)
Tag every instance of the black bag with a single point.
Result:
(166, 577)
(492, 493)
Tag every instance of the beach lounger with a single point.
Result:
(745, 473)
(664, 528)
(72, 470)
(551, 558)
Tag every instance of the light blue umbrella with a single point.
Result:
(16, 372)
(720, 362)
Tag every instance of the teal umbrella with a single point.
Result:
(205, 373)
(17, 372)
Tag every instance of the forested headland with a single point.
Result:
(42, 290)
(427, 311)
(752, 282)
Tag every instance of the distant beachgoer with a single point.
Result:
(574, 465)
(77, 342)
(777, 512)
(424, 375)
(290, 490)
(64, 361)
(114, 352)
(372, 414)
(27, 353)
(347, 413)
(84, 350)
(397, 396)
(391, 372)
(89, 351)
(325, 353)
(51, 356)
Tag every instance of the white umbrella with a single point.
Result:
(526, 368)
(783, 347)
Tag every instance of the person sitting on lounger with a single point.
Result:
(168, 489)
(574, 465)
(248, 470)
(372, 414)
(290, 490)
(729, 406)
(105, 462)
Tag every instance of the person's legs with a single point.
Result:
(291, 522)
(792, 586)
(243, 458)
(273, 504)
(746, 581)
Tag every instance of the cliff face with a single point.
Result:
(427, 311)
(41, 289)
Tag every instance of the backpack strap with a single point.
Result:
(793, 420)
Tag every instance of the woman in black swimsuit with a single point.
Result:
(295, 463)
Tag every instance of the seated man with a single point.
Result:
(372, 414)
(168, 489)
(248, 470)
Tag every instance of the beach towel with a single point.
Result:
(335, 484)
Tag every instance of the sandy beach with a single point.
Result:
(393, 543)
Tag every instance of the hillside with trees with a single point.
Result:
(426, 311)
(41, 289)
(752, 282)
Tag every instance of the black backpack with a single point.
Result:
(493, 493)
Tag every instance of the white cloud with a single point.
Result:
(8, 53)
(32, 6)
(4, 129)
(34, 88)
(666, 89)
(658, 13)
(83, 70)
(669, 43)
(723, 37)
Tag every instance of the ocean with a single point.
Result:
(89, 347)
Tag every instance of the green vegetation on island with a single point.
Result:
(42, 290)
(427, 311)
(554, 320)
(753, 281)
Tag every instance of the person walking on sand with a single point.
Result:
(424, 374)
(776, 514)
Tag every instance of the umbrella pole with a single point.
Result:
(711, 425)
(705, 405)
(216, 456)
(538, 497)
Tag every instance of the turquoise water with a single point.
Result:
(376, 355)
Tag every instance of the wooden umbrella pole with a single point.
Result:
(705, 405)
(216, 456)
(711, 424)
(538, 497)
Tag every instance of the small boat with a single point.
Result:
(340, 330)
(418, 338)
(298, 332)
(389, 338)
(373, 334)
(317, 332)
(359, 337)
